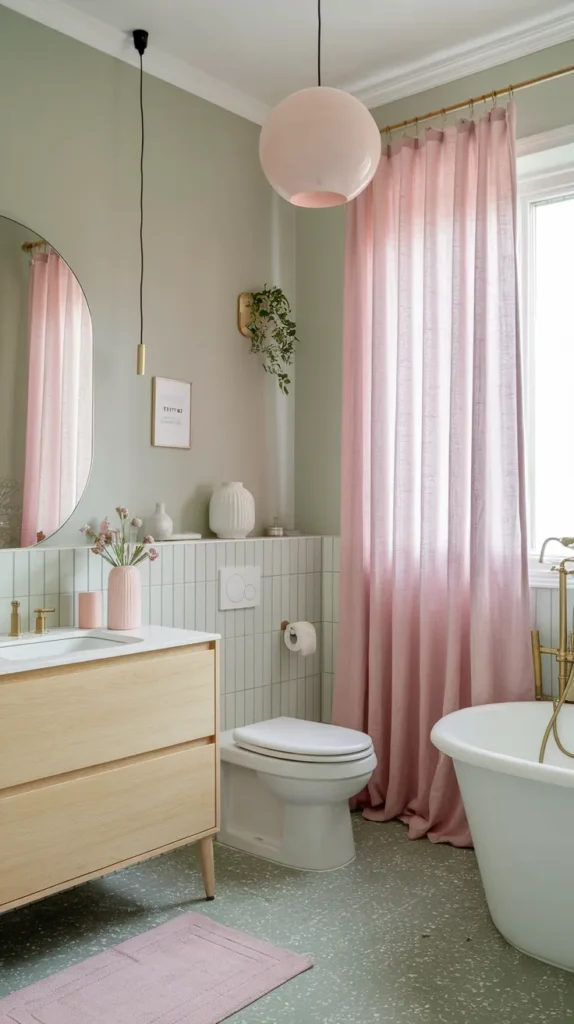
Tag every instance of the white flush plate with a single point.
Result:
(239, 587)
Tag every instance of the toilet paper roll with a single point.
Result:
(301, 637)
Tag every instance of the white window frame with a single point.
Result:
(545, 171)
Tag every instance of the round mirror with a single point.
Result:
(46, 388)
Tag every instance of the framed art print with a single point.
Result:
(171, 413)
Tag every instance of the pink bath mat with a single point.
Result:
(188, 971)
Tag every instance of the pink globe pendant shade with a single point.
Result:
(319, 147)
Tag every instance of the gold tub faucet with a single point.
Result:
(564, 653)
(566, 542)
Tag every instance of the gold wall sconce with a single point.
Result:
(244, 313)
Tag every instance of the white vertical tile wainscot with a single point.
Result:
(260, 678)
(330, 627)
(544, 616)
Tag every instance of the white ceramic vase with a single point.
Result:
(160, 525)
(231, 512)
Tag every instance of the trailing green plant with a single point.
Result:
(273, 333)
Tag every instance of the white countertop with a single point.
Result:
(147, 638)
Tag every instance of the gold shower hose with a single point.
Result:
(552, 726)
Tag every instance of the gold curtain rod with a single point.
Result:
(28, 246)
(479, 99)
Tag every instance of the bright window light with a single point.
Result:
(552, 368)
(546, 259)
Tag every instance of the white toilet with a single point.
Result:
(285, 787)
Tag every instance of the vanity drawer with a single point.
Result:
(63, 719)
(55, 833)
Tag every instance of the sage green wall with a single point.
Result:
(14, 272)
(319, 263)
(213, 228)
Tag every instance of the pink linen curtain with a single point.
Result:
(434, 607)
(59, 411)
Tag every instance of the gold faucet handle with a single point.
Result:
(560, 567)
(41, 619)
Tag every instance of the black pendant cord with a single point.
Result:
(319, 29)
(140, 37)
(142, 123)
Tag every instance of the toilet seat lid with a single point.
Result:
(298, 740)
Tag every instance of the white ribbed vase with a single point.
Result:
(231, 512)
(124, 597)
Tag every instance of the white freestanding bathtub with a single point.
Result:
(521, 815)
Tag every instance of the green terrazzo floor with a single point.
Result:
(402, 936)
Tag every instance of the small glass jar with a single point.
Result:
(275, 530)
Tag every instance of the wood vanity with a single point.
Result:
(106, 763)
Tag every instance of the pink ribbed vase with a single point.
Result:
(124, 598)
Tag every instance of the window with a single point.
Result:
(546, 192)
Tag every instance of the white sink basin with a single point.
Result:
(56, 645)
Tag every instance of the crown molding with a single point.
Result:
(458, 62)
(405, 80)
(93, 32)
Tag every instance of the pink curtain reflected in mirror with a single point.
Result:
(59, 410)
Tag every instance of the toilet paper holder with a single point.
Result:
(299, 637)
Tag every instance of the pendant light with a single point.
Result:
(319, 147)
(140, 38)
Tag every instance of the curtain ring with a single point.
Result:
(416, 127)
(494, 97)
(471, 109)
(443, 116)
(388, 137)
(511, 94)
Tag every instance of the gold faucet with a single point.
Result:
(564, 653)
(15, 621)
(566, 542)
(41, 620)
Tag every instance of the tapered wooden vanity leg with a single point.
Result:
(207, 866)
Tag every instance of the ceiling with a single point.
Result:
(247, 54)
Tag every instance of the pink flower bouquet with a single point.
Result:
(116, 546)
